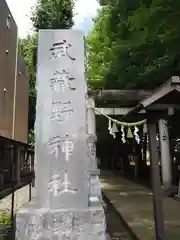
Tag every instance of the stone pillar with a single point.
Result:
(165, 154)
(62, 209)
(95, 189)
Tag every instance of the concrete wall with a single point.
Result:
(13, 105)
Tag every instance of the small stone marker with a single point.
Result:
(63, 164)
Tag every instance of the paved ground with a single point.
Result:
(115, 227)
(20, 198)
(134, 203)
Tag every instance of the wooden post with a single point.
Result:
(12, 209)
(156, 183)
(145, 151)
(32, 168)
(13, 164)
(17, 157)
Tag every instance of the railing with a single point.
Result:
(16, 163)
(16, 171)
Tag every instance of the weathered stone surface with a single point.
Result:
(61, 134)
(95, 190)
(41, 224)
(62, 153)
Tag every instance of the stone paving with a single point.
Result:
(115, 227)
(134, 203)
(21, 197)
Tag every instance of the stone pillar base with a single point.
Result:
(61, 224)
(95, 188)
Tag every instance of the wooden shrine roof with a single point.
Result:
(160, 100)
(118, 98)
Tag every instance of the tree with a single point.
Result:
(28, 48)
(109, 34)
(97, 48)
(159, 33)
(47, 14)
(53, 14)
(138, 48)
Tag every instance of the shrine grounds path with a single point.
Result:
(134, 205)
(129, 206)
(115, 227)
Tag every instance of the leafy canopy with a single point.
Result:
(134, 44)
(47, 14)
(53, 14)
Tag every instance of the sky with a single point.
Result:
(21, 9)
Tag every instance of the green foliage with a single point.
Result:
(98, 51)
(52, 14)
(134, 44)
(31, 139)
(28, 48)
(5, 218)
(47, 14)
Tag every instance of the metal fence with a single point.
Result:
(16, 173)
